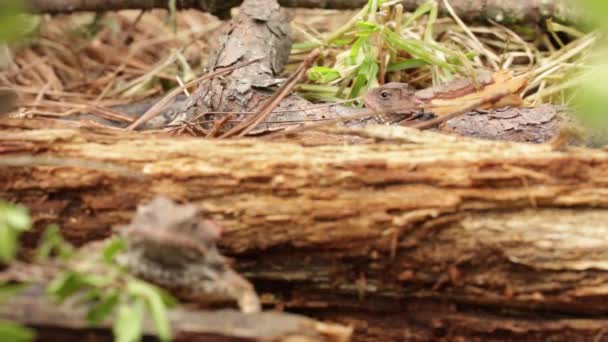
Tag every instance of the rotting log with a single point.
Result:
(416, 235)
(498, 10)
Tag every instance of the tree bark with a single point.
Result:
(416, 235)
(502, 11)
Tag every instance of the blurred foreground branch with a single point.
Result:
(498, 10)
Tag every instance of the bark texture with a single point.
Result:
(260, 30)
(416, 236)
(537, 124)
(498, 10)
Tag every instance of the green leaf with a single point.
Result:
(405, 65)
(66, 284)
(14, 219)
(8, 243)
(304, 46)
(115, 246)
(420, 11)
(155, 303)
(420, 50)
(104, 308)
(428, 32)
(366, 77)
(10, 290)
(321, 74)
(354, 50)
(14, 24)
(359, 83)
(96, 280)
(341, 42)
(12, 332)
(365, 28)
(18, 218)
(128, 323)
(173, 14)
(168, 299)
(53, 242)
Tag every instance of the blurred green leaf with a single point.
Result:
(156, 306)
(598, 9)
(592, 103)
(18, 218)
(8, 244)
(103, 308)
(10, 290)
(14, 24)
(366, 77)
(323, 74)
(11, 332)
(115, 246)
(14, 219)
(365, 29)
(53, 242)
(173, 14)
(304, 46)
(356, 49)
(419, 50)
(341, 42)
(128, 323)
(65, 285)
(407, 64)
(420, 11)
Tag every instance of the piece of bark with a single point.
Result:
(414, 220)
(260, 30)
(536, 124)
(512, 12)
(62, 322)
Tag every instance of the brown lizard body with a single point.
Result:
(398, 101)
(393, 101)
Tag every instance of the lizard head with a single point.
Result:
(391, 98)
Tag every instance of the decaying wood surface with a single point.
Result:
(65, 323)
(418, 235)
(502, 11)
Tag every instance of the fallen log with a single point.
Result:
(502, 11)
(441, 235)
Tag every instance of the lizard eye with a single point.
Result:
(385, 94)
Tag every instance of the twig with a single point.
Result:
(217, 125)
(286, 88)
(299, 129)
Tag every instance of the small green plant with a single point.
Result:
(106, 289)
(92, 279)
(14, 220)
(377, 43)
